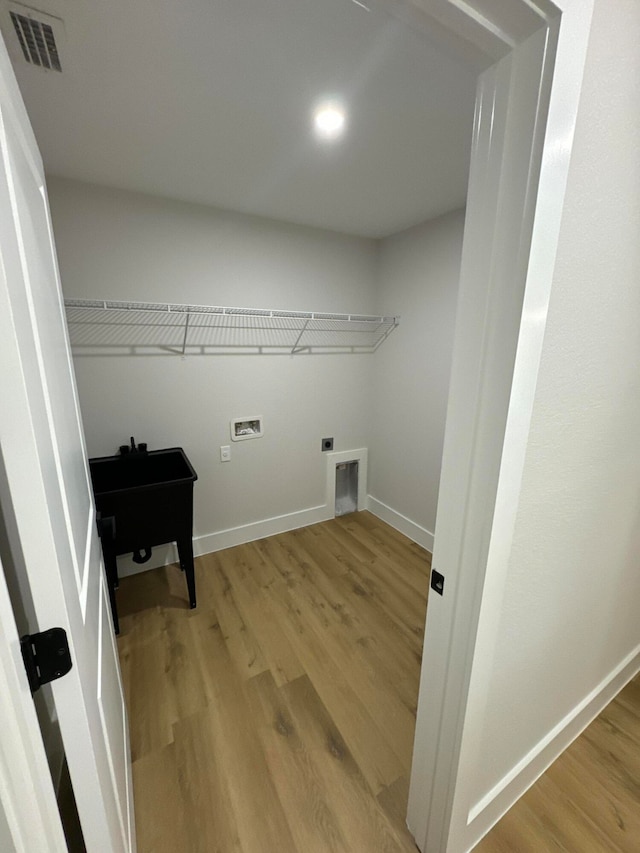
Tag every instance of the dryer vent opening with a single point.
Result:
(346, 487)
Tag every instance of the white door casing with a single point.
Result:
(526, 111)
(45, 489)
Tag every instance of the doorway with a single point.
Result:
(557, 201)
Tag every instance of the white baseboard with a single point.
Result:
(210, 542)
(400, 522)
(163, 555)
(488, 811)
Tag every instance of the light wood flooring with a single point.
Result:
(588, 801)
(277, 717)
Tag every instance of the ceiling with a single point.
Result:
(210, 101)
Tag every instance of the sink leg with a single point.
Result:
(185, 552)
(114, 608)
(111, 571)
(107, 533)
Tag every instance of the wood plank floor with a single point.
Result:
(279, 715)
(588, 801)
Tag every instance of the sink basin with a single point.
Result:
(139, 470)
(144, 500)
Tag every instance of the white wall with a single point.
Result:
(118, 245)
(417, 277)
(569, 629)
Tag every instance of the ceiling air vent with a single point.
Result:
(37, 41)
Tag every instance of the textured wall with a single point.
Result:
(571, 609)
(118, 245)
(417, 277)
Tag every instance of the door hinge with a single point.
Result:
(46, 656)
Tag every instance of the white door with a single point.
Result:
(45, 491)
(29, 818)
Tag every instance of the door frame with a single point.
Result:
(483, 455)
(531, 56)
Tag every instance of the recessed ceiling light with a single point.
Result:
(329, 120)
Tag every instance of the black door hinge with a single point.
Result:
(46, 656)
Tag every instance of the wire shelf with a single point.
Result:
(117, 327)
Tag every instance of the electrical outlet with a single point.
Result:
(327, 444)
(225, 453)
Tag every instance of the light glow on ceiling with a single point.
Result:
(329, 120)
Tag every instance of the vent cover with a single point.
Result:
(37, 41)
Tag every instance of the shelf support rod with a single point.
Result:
(384, 337)
(302, 331)
(186, 332)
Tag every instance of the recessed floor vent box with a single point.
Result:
(244, 428)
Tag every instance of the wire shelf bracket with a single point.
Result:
(135, 328)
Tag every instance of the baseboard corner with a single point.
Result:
(409, 528)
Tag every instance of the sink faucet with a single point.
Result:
(126, 449)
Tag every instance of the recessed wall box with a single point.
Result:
(244, 428)
(346, 487)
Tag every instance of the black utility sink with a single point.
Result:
(144, 499)
(137, 470)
